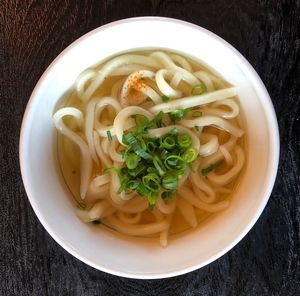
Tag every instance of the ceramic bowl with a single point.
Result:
(138, 257)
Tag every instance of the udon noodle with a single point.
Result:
(175, 98)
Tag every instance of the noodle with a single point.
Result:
(156, 138)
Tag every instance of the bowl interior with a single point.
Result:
(136, 257)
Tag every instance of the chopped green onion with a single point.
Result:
(170, 181)
(190, 155)
(151, 146)
(174, 162)
(124, 181)
(159, 165)
(142, 190)
(173, 131)
(152, 182)
(212, 167)
(168, 195)
(152, 197)
(142, 143)
(132, 141)
(137, 171)
(197, 114)
(167, 142)
(198, 89)
(110, 170)
(178, 114)
(154, 164)
(164, 154)
(151, 170)
(132, 161)
(142, 153)
(197, 128)
(165, 98)
(156, 120)
(133, 184)
(184, 140)
(109, 135)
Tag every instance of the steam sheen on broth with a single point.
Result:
(150, 143)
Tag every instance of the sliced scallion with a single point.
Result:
(132, 161)
(198, 89)
(165, 99)
(184, 140)
(212, 167)
(109, 135)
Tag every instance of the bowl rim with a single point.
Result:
(270, 176)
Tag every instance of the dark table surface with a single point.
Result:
(265, 262)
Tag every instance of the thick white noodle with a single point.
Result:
(113, 189)
(118, 198)
(223, 190)
(86, 159)
(210, 207)
(163, 238)
(101, 104)
(113, 64)
(105, 145)
(95, 193)
(97, 211)
(183, 179)
(193, 101)
(211, 144)
(121, 118)
(129, 218)
(134, 81)
(218, 82)
(157, 214)
(136, 230)
(89, 127)
(215, 121)
(223, 113)
(106, 162)
(207, 161)
(190, 196)
(187, 211)
(205, 78)
(226, 155)
(166, 208)
(82, 79)
(175, 80)
(129, 123)
(132, 206)
(167, 62)
(101, 180)
(116, 88)
(113, 153)
(83, 215)
(199, 182)
(224, 179)
(164, 86)
(183, 62)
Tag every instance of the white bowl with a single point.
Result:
(137, 257)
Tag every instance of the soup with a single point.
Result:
(150, 143)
